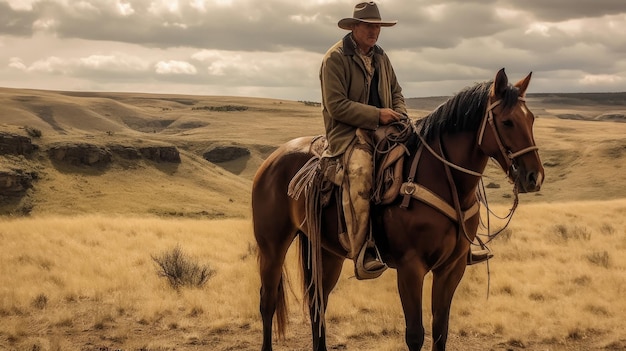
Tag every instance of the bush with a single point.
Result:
(225, 108)
(33, 132)
(599, 258)
(40, 301)
(180, 270)
(311, 103)
(567, 232)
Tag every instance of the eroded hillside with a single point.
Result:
(195, 156)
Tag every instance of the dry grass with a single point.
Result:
(90, 280)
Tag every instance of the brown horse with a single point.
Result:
(488, 120)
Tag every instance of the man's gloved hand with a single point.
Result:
(387, 115)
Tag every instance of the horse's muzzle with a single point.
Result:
(529, 181)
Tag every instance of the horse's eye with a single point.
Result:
(508, 123)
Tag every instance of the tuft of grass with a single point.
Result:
(506, 290)
(180, 270)
(251, 252)
(33, 132)
(536, 296)
(596, 310)
(505, 235)
(599, 258)
(567, 232)
(607, 229)
(583, 280)
(40, 301)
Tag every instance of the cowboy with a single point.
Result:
(359, 93)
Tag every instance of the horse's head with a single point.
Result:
(506, 133)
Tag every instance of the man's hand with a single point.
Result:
(387, 115)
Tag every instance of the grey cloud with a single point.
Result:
(454, 23)
(18, 23)
(263, 26)
(437, 48)
(560, 10)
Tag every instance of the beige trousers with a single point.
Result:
(356, 194)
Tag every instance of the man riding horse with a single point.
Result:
(360, 92)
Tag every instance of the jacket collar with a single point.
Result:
(349, 47)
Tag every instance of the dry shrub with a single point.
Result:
(40, 301)
(33, 132)
(607, 229)
(599, 258)
(180, 270)
(567, 232)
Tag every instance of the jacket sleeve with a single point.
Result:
(335, 80)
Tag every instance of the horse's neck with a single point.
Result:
(462, 150)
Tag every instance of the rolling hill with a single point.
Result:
(122, 139)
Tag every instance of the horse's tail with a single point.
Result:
(281, 307)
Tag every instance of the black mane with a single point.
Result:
(464, 111)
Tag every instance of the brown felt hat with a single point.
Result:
(366, 12)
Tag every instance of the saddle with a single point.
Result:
(388, 157)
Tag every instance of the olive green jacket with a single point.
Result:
(345, 93)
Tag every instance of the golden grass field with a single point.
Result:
(79, 274)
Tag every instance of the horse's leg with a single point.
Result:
(445, 282)
(273, 244)
(410, 284)
(331, 265)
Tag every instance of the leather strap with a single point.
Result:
(412, 172)
(420, 193)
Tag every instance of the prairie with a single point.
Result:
(78, 273)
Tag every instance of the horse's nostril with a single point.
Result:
(531, 179)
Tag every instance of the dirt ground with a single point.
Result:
(247, 338)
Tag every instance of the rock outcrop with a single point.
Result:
(14, 183)
(161, 153)
(15, 177)
(78, 154)
(14, 144)
(84, 154)
(221, 154)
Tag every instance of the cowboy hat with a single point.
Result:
(366, 12)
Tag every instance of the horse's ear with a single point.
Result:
(499, 84)
(522, 85)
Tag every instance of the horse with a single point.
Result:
(489, 120)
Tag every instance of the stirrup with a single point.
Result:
(359, 269)
(479, 256)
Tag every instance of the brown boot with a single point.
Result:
(479, 256)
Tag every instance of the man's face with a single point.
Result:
(366, 34)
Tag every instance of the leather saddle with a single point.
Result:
(389, 151)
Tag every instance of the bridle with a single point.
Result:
(508, 155)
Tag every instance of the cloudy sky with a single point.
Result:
(273, 48)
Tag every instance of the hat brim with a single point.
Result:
(347, 23)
